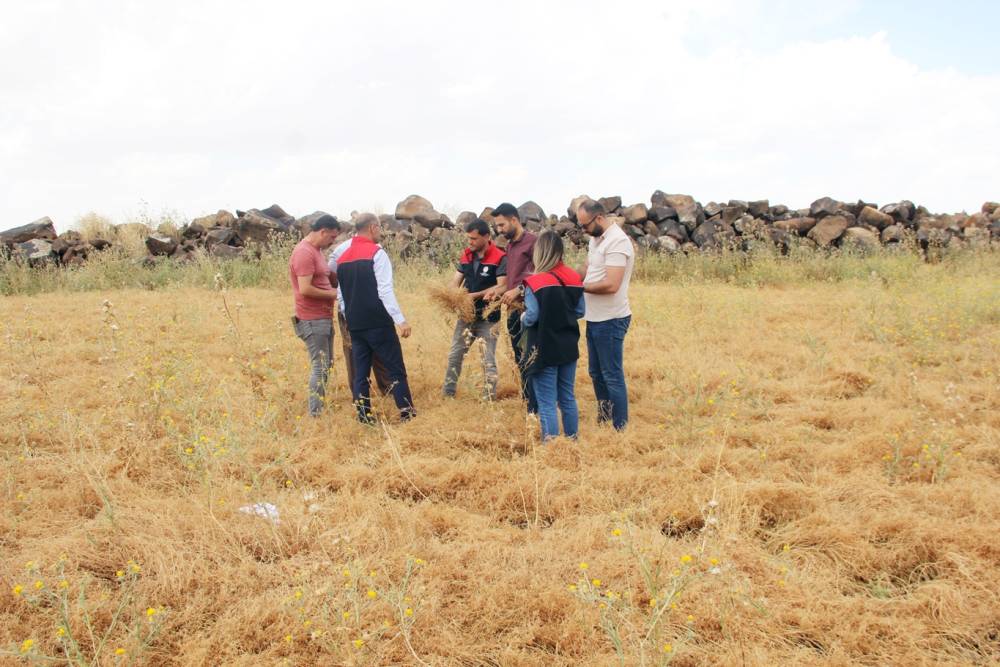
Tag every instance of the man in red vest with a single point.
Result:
(482, 269)
(364, 273)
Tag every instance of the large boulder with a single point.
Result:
(800, 226)
(731, 214)
(712, 209)
(257, 227)
(193, 230)
(704, 235)
(689, 212)
(989, 207)
(669, 244)
(894, 234)
(160, 244)
(223, 251)
(877, 219)
(219, 236)
(660, 213)
(828, 230)
(275, 212)
(36, 251)
(636, 214)
(759, 209)
(464, 218)
(611, 204)
(531, 212)
(43, 228)
(675, 230)
(859, 238)
(823, 207)
(900, 211)
(411, 206)
(222, 218)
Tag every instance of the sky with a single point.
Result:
(134, 108)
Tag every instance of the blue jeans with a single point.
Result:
(553, 385)
(605, 343)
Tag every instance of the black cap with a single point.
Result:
(507, 211)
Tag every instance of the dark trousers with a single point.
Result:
(605, 345)
(384, 344)
(381, 374)
(516, 341)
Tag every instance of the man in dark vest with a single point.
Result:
(482, 268)
(364, 273)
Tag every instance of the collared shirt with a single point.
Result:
(383, 277)
(520, 264)
(613, 248)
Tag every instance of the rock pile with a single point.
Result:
(679, 223)
(669, 223)
(38, 244)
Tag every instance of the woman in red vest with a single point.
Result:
(553, 300)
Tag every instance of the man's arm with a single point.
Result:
(456, 279)
(383, 278)
(306, 288)
(611, 284)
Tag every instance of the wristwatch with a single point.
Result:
(520, 289)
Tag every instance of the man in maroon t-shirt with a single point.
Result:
(315, 295)
(520, 246)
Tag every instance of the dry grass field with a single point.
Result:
(811, 477)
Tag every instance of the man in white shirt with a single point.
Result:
(610, 259)
(364, 276)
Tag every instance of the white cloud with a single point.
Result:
(196, 106)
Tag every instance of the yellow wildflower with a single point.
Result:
(713, 561)
(18, 589)
(60, 631)
(288, 639)
(151, 612)
(347, 572)
(685, 559)
(372, 594)
(120, 573)
(119, 651)
(668, 648)
(616, 532)
(39, 585)
(583, 566)
(690, 618)
(26, 645)
(64, 584)
(409, 611)
(358, 643)
(596, 583)
(346, 615)
(298, 595)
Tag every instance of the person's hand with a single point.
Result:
(510, 296)
(490, 294)
(405, 330)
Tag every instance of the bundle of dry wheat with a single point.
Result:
(454, 300)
